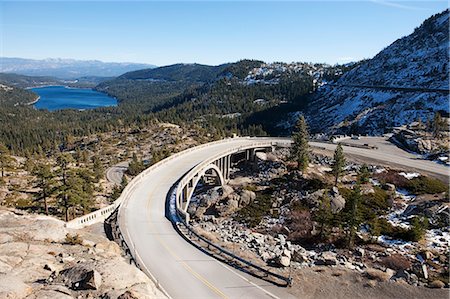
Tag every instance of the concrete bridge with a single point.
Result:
(216, 170)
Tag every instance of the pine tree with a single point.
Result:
(5, 159)
(300, 148)
(45, 182)
(438, 125)
(324, 216)
(353, 215)
(64, 192)
(364, 174)
(98, 169)
(338, 164)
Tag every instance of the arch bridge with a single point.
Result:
(216, 170)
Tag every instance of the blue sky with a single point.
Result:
(209, 32)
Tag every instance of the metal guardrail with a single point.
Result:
(288, 280)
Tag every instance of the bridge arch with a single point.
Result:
(185, 198)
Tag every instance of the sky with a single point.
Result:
(207, 32)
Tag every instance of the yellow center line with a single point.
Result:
(184, 264)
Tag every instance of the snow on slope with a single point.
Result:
(419, 60)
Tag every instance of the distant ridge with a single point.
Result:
(67, 68)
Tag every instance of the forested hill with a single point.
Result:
(248, 93)
(23, 81)
(12, 96)
(403, 83)
(177, 72)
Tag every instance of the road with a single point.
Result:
(183, 270)
(115, 173)
(390, 155)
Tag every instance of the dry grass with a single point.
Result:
(377, 275)
(396, 262)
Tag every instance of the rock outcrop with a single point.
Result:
(38, 261)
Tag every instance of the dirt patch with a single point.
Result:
(323, 282)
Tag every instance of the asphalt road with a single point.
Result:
(183, 270)
(390, 155)
(115, 173)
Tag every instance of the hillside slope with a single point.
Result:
(177, 72)
(418, 61)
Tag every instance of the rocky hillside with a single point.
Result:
(40, 258)
(406, 81)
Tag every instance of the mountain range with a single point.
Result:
(67, 68)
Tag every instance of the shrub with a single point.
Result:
(377, 201)
(73, 239)
(392, 177)
(426, 185)
(300, 224)
(315, 184)
(415, 233)
(252, 214)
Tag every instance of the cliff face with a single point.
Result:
(38, 260)
(400, 84)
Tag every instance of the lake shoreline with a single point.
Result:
(34, 102)
(60, 97)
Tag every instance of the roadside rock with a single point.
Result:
(81, 277)
(327, 258)
(284, 261)
(378, 274)
(437, 284)
(246, 197)
(39, 267)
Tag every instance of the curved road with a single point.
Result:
(181, 269)
(115, 173)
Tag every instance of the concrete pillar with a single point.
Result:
(228, 167)
(184, 197)
(224, 166)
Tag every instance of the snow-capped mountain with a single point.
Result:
(407, 80)
(67, 68)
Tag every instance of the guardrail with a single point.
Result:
(180, 221)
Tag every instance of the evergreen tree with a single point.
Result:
(135, 166)
(300, 148)
(338, 164)
(98, 169)
(45, 181)
(324, 216)
(353, 215)
(64, 192)
(364, 174)
(438, 125)
(5, 159)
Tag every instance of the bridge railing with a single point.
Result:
(103, 213)
(205, 163)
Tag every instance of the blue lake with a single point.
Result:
(62, 97)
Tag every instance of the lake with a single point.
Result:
(62, 97)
